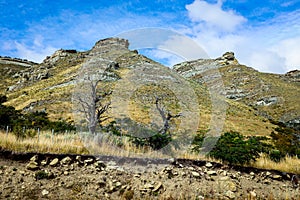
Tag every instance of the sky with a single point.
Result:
(264, 35)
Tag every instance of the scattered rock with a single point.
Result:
(252, 194)
(99, 164)
(66, 160)
(44, 162)
(34, 158)
(212, 173)
(157, 187)
(208, 165)
(32, 165)
(88, 161)
(45, 192)
(149, 186)
(230, 194)
(276, 177)
(54, 162)
(195, 174)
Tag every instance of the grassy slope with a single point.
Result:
(240, 116)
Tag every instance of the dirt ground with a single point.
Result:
(75, 177)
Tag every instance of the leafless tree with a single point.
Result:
(166, 115)
(91, 103)
(93, 106)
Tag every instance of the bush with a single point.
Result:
(19, 132)
(233, 148)
(286, 141)
(276, 156)
(61, 126)
(33, 120)
(156, 141)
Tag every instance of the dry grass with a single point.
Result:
(75, 144)
(290, 164)
(46, 143)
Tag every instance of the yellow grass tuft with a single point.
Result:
(46, 143)
(290, 164)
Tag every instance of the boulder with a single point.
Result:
(32, 165)
(54, 162)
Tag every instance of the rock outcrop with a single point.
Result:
(16, 61)
(197, 67)
(292, 76)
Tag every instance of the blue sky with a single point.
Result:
(263, 34)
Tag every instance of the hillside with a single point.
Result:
(252, 97)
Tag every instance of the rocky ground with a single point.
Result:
(83, 177)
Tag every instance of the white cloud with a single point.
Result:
(183, 47)
(270, 46)
(37, 52)
(266, 61)
(289, 49)
(213, 16)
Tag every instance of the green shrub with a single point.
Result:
(156, 141)
(19, 132)
(276, 156)
(234, 148)
(41, 175)
(197, 143)
(30, 133)
(286, 140)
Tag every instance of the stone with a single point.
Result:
(99, 164)
(44, 162)
(228, 56)
(267, 182)
(195, 174)
(118, 184)
(230, 194)
(157, 187)
(54, 162)
(21, 172)
(208, 165)
(45, 192)
(32, 165)
(252, 194)
(88, 161)
(78, 158)
(225, 178)
(252, 173)
(34, 158)
(148, 186)
(268, 173)
(226, 184)
(66, 160)
(276, 177)
(211, 173)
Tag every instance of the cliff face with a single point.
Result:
(253, 97)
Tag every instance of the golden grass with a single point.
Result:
(290, 164)
(46, 143)
(75, 144)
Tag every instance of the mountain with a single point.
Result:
(252, 98)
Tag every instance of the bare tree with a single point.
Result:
(93, 106)
(90, 102)
(166, 115)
